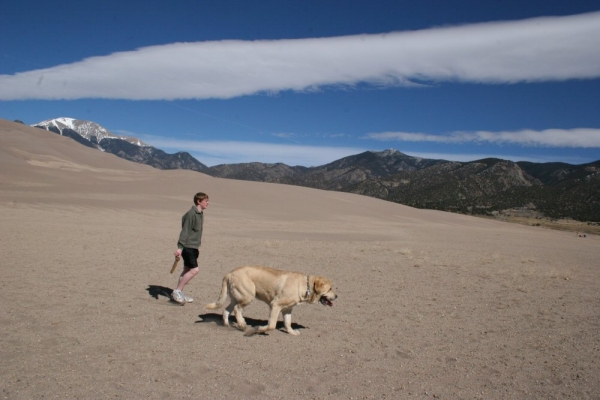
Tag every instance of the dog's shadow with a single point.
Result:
(157, 291)
(251, 322)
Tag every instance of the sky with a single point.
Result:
(310, 82)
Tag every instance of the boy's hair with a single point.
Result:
(198, 197)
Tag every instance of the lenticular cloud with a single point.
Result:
(532, 50)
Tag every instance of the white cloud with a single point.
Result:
(540, 49)
(574, 138)
(223, 152)
(232, 152)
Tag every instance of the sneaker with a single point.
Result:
(187, 298)
(178, 296)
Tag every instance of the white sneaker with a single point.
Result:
(187, 298)
(178, 296)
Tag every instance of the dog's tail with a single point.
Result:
(222, 296)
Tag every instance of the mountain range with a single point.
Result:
(483, 187)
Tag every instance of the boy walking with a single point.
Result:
(188, 245)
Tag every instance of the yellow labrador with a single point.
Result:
(281, 290)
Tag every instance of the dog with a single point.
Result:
(281, 290)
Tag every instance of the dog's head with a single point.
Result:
(323, 291)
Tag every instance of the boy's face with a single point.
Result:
(202, 205)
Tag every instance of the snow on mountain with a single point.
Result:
(87, 129)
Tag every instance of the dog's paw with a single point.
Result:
(250, 331)
(293, 332)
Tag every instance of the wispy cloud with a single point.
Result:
(540, 49)
(574, 138)
(465, 157)
(284, 135)
(232, 152)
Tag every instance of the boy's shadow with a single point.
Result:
(218, 319)
(155, 291)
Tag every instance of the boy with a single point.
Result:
(188, 245)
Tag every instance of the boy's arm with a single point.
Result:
(186, 226)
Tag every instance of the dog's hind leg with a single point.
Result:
(236, 308)
(243, 296)
(239, 317)
(274, 314)
(230, 308)
(287, 322)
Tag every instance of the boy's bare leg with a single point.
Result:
(186, 276)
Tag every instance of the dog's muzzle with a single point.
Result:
(326, 301)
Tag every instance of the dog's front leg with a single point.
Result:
(287, 321)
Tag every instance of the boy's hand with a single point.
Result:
(177, 258)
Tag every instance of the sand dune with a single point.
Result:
(431, 304)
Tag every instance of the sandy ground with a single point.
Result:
(431, 304)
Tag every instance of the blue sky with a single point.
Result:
(309, 82)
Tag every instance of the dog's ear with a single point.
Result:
(321, 284)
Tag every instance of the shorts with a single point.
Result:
(190, 257)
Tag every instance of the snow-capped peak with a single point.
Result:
(389, 152)
(87, 129)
